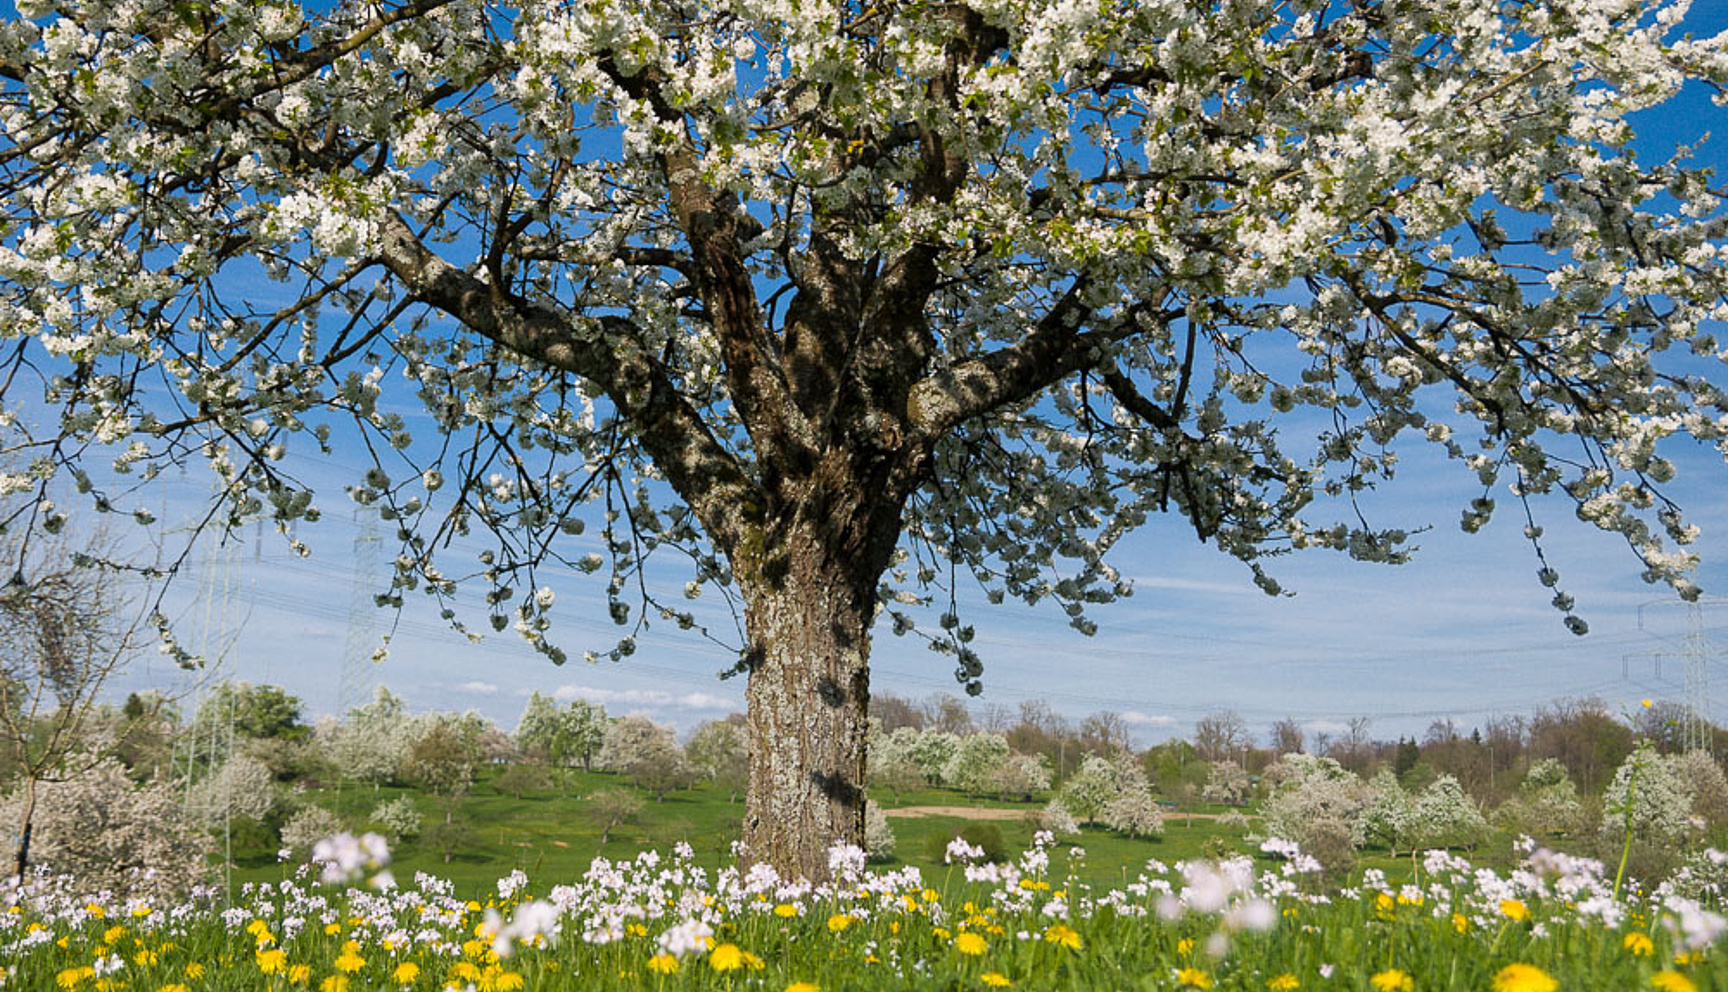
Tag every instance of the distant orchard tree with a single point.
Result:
(1649, 797)
(1443, 815)
(932, 749)
(611, 808)
(309, 825)
(836, 299)
(1313, 800)
(369, 745)
(584, 734)
(520, 779)
(111, 833)
(1089, 790)
(1226, 782)
(1020, 776)
(717, 752)
(67, 626)
(443, 756)
(1389, 818)
(1546, 802)
(1703, 774)
(241, 786)
(974, 764)
(1132, 810)
(400, 818)
(569, 736)
(646, 753)
(893, 764)
(879, 839)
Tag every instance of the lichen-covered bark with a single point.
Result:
(809, 690)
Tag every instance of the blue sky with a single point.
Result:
(1465, 631)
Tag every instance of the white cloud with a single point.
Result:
(708, 701)
(1135, 718)
(478, 688)
(645, 698)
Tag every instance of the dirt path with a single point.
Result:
(980, 813)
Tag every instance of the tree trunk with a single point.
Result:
(21, 859)
(808, 623)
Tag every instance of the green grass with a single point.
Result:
(1043, 931)
(549, 834)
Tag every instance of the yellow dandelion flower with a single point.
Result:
(930, 895)
(332, 929)
(273, 961)
(1384, 904)
(726, 957)
(299, 974)
(1645, 703)
(995, 979)
(634, 930)
(803, 987)
(1690, 957)
(113, 934)
(971, 944)
(71, 978)
(464, 972)
(1185, 947)
(1064, 935)
(663, 964)
(1514, 909)
(1392, 980)
(1193, 978)
(173, 987)
(475, 948)
(1283, 983)
(1460, 923)
(194, 970)
(1639, 944)
(95, 911)
(144, 958)
(350, 960)
(785, 910)
(405, 973)
(335, 983)
(1524, 978)
(1672, 981)
(502, 981)
(838, 922)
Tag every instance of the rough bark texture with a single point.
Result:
(808, 695)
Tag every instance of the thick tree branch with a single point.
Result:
(703, 472)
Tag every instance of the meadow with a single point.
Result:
(549, 834)
(532, 900)
(666, 922)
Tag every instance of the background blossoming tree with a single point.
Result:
(837, 298)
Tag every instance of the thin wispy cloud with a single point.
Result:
(646, 698)
(1135, 718)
